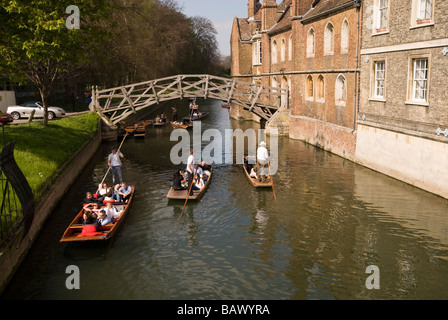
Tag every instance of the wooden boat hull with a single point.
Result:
(74, 230)
(197, 194)
(138, 127)
(203, 115)
(255, 182)
(182, 126)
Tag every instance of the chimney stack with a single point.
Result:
(269, 14)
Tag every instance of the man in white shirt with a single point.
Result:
(190, 169)
(262, 160)
(114, 163)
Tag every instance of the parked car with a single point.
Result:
(24, 111)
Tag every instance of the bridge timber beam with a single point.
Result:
(116, 104)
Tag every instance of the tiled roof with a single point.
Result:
(323, 6)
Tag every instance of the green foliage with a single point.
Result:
(41, 150)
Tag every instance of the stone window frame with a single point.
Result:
(274, 51)
(345, 36)
(417, 22)
(290, 48)
(309, 88)
(373, 87)
(310, 43)
(377, 29)
(411, 80)
(282, 50)
(329, 39)
(340, 98)
(320, 88)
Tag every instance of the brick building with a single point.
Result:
(403, 112)
(367, 79)
(310, 47)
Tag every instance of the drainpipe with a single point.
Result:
(357, 4)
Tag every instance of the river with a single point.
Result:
(331, 220)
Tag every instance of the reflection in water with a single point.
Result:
(332, 219)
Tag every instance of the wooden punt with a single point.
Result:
(74, 230)
(138, 126)
(182, 126)
(161, 124)
(197, 194)
(255, 182)
(200, 116)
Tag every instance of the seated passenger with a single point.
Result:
(87, 218)
(112, 212)
(177, 181)
(92, 208)
(198, 183)
(102, 219)
(253, 173)
(125, 192)
(89, 198)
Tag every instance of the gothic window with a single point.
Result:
(341, 90)
(309, 87)
(329, 39)
(310, 43)
(283, 50)
(320, 89)
(290, 48)
(274, 51)
(344, 36)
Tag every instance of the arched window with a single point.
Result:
(340, 90)
(329, 39)
(274, 82)
(274, 51)
(309, 87)
(310, 43)
(320, 88)
(344, 36)
(283, 50)
(290, 48)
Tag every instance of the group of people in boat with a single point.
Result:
(99, 208)
(161, 118)
(194, 177)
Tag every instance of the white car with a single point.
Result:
(24, 110)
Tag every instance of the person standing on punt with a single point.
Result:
(262, 161)
(115, 165)
(190, 170)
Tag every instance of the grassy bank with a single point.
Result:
(41, 151)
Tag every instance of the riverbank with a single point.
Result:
(51, 159)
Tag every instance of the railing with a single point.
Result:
(17, 200)
(116, 104)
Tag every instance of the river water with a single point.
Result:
(331, 221)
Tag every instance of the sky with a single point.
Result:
(221, 13)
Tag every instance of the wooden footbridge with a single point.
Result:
(116, 104)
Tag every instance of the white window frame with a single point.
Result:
(377, 73)
(290, 48)
(419, 79)
(257, 53)
(320, 98)
(309, 87)
(381, 7)
(274, 51)
(417, 20)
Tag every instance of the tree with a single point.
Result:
(36, 45)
